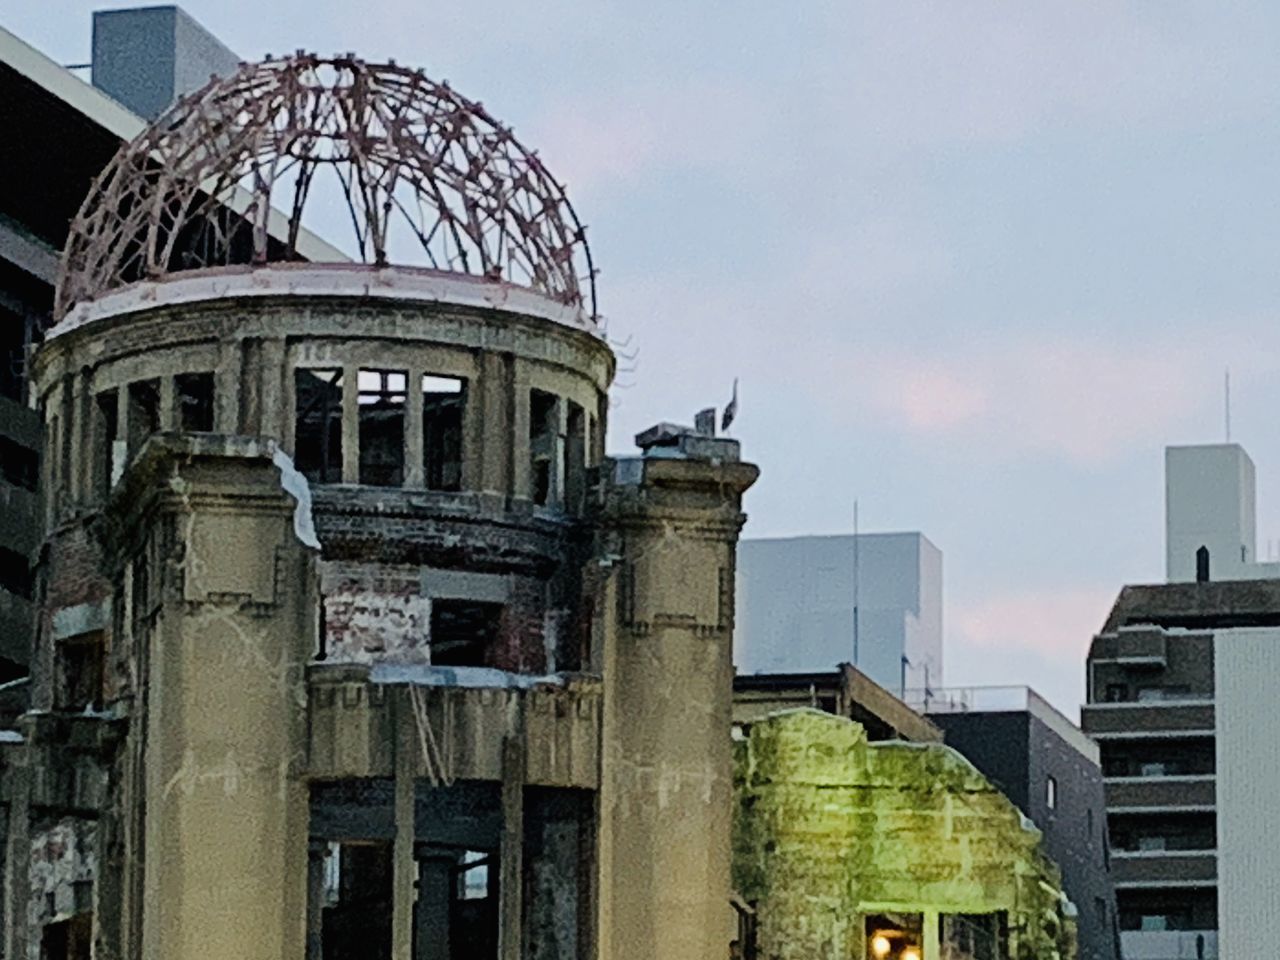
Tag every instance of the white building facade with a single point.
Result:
(796, 607)
(1210, 506)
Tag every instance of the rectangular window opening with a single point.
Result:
(81, 667)
(193, 392)
(144, 412)
(542, 444)
(68, 939)
(19, 465)
(15, 573)
(356, 915)
(894, 936)
(382, 395)
(463, 632)
(1051, 793)
(106, 433)
(443, 402)
(575, 458)
(317, 437)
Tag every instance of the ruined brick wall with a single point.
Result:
(374, 612)
(828, 825)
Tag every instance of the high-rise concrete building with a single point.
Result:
(805, 603)
(349, 640)
(1176, 700)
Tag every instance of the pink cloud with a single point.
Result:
(1057, 623)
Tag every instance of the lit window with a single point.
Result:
(1051, 793)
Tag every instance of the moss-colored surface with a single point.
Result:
(828, 827)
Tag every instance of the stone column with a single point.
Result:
(435, 893)
(666, 791)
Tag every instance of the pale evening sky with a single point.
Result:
(975, 263)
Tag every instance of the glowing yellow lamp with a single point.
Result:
(910, 953)
(880, 945)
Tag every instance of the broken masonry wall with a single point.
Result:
(828, 826)
(381, 613)
(374, 612)
(63, 867)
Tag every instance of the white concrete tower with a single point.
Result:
(1210, 503)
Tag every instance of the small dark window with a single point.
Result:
(19, 465)
(356, 918)
(1202, 565)
(105, 434)
(15, 573)
(144, 412)
(443, 401)
(463, 632)
(382, 397)
(575, 458)
(193, 393)
(542, 443)
(69, 939)
(317, 438)
(81, 660)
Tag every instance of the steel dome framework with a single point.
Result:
(425, 177)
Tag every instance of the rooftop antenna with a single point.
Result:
(1226, 388)
(855, 581)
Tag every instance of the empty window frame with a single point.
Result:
(144, 412)
(193, 393)
(19, 465)
(317, 429)
(15, 573)
(382, 395)
(443, 402)
(463, 632)
(68, 939)
(81, 661)
(543, 434)
(106, 431)
(575, 457)
(356, 917)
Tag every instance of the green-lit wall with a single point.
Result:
(829, 828)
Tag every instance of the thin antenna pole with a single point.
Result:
(855, 582)
(1226, 389)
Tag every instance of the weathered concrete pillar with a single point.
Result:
(666, 792)
(511, 848)
(350, 423)
(316, 852)
(225, 601)
(404, 873)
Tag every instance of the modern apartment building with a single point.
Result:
(1177, 701)
(875, 600)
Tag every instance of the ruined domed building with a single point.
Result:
(351, 642)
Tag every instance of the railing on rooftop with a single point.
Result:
(1001, 699)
